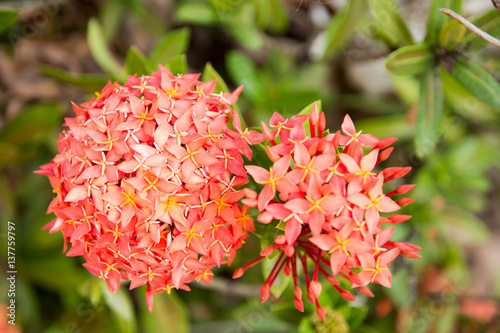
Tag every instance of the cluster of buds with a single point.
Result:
(146, 182)
(325, 197)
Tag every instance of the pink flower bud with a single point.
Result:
(321, 312)
(238, 273)
(264, 292)
(280, 240)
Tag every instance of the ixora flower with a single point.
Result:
(146, 182)
(325, 196)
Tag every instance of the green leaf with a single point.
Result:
(136, 62)
(357, 316)
(272, 15)
(267, 239)
(225, 6)
(479, 82)
(147, 19)
(282, 281)
(241, 24)
(430, 112)
(489, 22)
(209, 74)
(121, 307)
(259, 156)
(87, 81)
(400, 293)
(391, 24)
(437, 19)
(248, 36)
(472, 230)
(43, 270)
(384, 126)
(32, 124)
(341, 27)
(177, 64)
(169, 313)
(110, 16)
(451, 35)
(307, 110)
(8, 16)
(305, 325)
(447, 319)
(252, 316)
(100, 51)
(243, 71)
(172, 44)
(464, 102)
(411, 60)
(196, 13)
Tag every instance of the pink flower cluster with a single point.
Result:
(146, 182)
(325, 196)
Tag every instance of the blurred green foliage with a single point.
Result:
(444, 107)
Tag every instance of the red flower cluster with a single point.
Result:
(146, 179)
(330, 200)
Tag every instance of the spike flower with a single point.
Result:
(146, 182)
(325, 196)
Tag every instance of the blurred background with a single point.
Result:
(398, 68)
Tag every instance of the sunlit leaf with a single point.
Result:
(243, 71)
(177, 64)
(272, 15)
(341, 27)
(437, 19)
(121, 307)
(110, 17)
(136, 62)
(209, 73)
(488, 22)
(430, 112)
(451, 35)
(478, 82)
(172, 44)
(87, 81)
(308, 109)
(100, 51)
(196, 13)
(248, 36)
(464, 102)
(169, 313)
(225, 6)
(8, 16)
(411, 60)
(390, 23)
